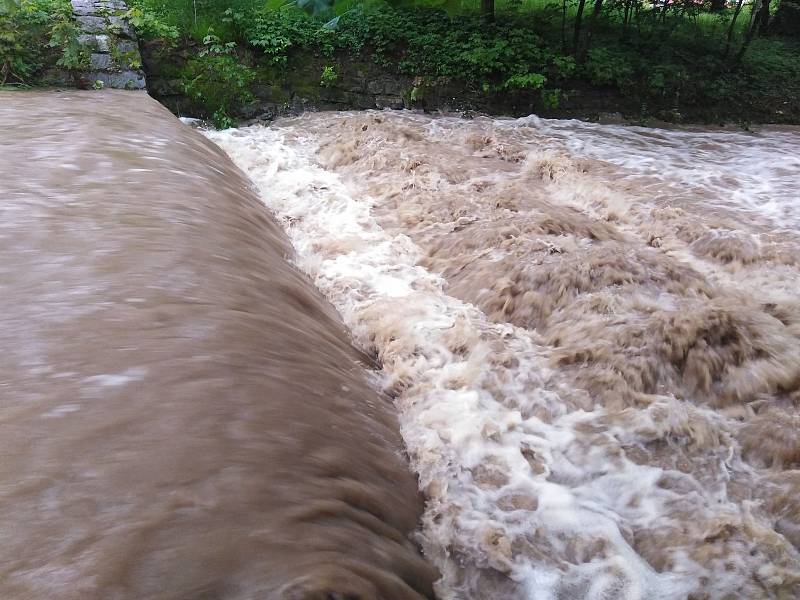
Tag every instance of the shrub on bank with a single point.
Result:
(34, 35)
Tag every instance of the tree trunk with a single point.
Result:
(576, 38)
(755, 15)
(487, 10)
(664, 10)
(636, 16)
(763, 18)
(626, 18)
(732, 27)
(598, 6)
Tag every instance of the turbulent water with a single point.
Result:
(182, 415)
(591, 334)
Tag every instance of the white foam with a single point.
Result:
(464, 408)
(62, 410)
(117, 379)
(758, 173)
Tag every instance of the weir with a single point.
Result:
(183, 413)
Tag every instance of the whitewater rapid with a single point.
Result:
(591, 335)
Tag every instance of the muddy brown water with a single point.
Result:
(592, 334)
(588, 343)
(182, 415)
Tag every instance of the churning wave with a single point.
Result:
(591, 334)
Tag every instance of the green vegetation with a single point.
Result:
(216, 79)
(35, 34)
(329, 76)
(701, 60)
(710, 60)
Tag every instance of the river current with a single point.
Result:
(183, 416)
(392, 356)
(591, 334)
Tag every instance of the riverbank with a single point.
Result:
(231, 66)
(262, 64)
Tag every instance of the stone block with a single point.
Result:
(100, 62)
(103, 43)
(120, 26)
(127, 46)
(92, 24)
(375, 86)
(110, 5)
(394, 87)
(95, 43)
(363, 101)
(82, 7)
(125, 80)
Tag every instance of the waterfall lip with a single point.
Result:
(184, 414)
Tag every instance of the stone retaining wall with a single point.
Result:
(114, 61)
(362, 84)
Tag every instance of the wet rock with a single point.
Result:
(100, 61)
(57, 77)
(125, 80)
(95, 43)
(389, 102)
(610, 118)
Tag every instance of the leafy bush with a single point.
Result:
(422, 42)
(30, 30)
(64, 36)
(216, 80)
(430, 43)
(275, 33)
(609, 66)
(329, 76)
(149, 26)
(532, 81)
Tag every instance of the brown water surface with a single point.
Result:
(182, 415)
(592, 333)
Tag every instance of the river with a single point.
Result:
(591, 333)
(580, 343)
(183, 416)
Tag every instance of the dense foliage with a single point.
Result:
(216, 79)
(35, 33)
(714, 58)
